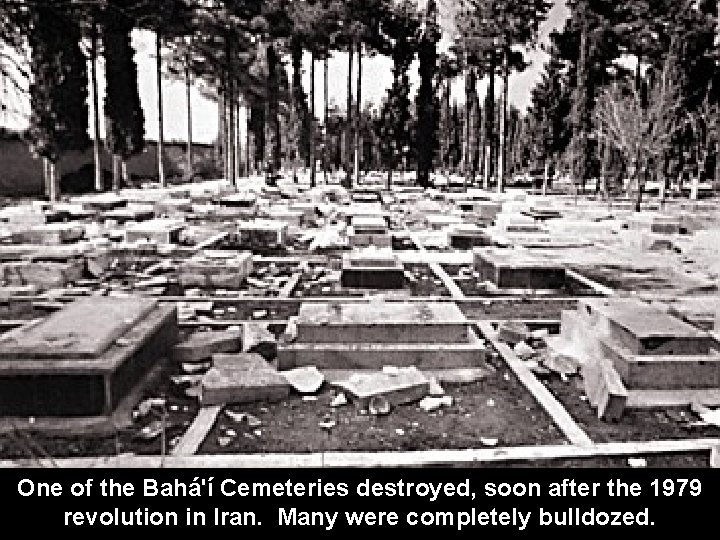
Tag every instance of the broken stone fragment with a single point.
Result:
(523, 350)
(513, 332)
(257, 338)
(430, 403)
(339, 400)
(305, 380)
(243, 386)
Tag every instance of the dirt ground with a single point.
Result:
(497, 407)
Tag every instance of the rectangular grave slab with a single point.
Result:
(643, 329)
(438, 222)
(36, 380)
(515, 269)
(135, 212)
(655, 223)
(43, 274)
(161, 231)
(83, 329)
(372, 270)
(262, 233)
(52, 234)
(240, 361)
(102, 202)
(468, 237)
(239, 200)
(664, 372)
(208, 270)
(386, 322)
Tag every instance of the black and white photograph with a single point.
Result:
(360, 234)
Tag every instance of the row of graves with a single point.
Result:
(104, 292)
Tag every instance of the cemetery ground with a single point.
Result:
(260, 325)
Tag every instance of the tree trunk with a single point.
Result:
(230, 104)
(222, 135)
(97, 151)
(358, 112)
(54, 180)
(348, 126)
(116, 162)
(503, 125)
(188, 97)
(490, 129)
(389, 179)
(248, 169)
(238, 139)
(273, 118)
(546, 172)
(326, 116)
(124, 172)
(161, 120)
(312, 120)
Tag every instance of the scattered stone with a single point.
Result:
(305, 380)
(513, 332)
(339, 400)
(224, 441)
(523, 350)
(251, 420)
(487, 441)
(435, 388)
(637, 463)
(379, 406)
(430, 403)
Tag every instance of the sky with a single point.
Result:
(376, 78)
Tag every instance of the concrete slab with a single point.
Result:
(517, 269)
(643, 329)
(84, 329)
(203, 345)
(405, 385)
(51, 234)
(256, 383)
(161, 231)
(88, 386)
(386, 322)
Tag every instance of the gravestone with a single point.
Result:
(517, 269)
(372, 269)
(369, 231)
(84, 359)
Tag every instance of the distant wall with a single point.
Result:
(21, 172)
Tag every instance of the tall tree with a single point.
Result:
(401, 25)
(58, 93)
(427, 103)
(493, 30)
(125, 119)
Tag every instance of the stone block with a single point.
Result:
(613, 395)
(239, 361)
(399, 387)
(643, 329)
(263, 233)
(258, 383)
(517, 269)
(52, 234)
(203, 345)
(160, 231)
(43, 274)
(386, 322)
(84, 359)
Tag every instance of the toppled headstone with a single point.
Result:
(406, 386)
